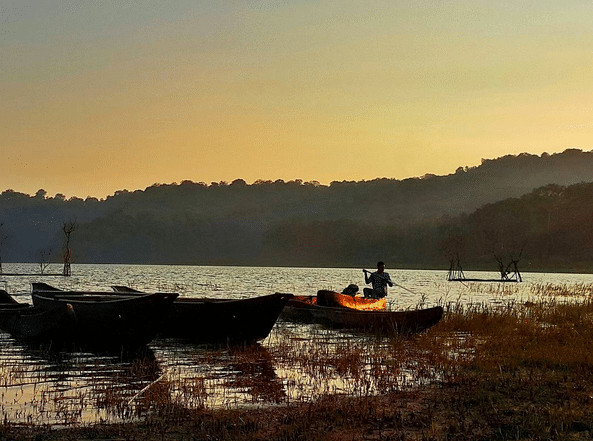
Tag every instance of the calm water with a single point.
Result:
(243, 282)
(41, 386)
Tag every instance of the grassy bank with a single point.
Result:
(515, 371)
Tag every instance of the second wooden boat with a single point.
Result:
(306, 310)
(234, 321)
(332, 298)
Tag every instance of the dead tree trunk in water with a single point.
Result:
(509, 271)
(455, 269)
(452, 246)
(68, 228)
(44, 259)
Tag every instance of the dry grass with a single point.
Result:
(514, 371)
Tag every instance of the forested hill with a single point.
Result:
(281, 223)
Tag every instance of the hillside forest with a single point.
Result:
(538, 209)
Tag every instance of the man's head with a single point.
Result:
(380, 266)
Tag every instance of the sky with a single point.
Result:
(100, 95)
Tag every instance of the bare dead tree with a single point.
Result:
(512, 268)
(507, 250)
(68, 228)
(44, 259)
(455, 269)
(452, 247)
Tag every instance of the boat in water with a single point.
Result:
(229, 321)
(308, 309)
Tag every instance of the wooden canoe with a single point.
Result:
(304, 309)
(27, 322)
(104, 320)
(227, 321)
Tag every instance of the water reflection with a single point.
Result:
(207, 376)
(296, 363)
(45, 385)
(256, 374)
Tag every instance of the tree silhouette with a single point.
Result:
(68, 228)
(44, 259)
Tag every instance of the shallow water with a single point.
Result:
(44, 386)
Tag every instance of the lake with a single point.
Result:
(243, 282)
(43, 386)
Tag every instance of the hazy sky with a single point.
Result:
(100, 95)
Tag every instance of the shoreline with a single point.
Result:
(435, 413)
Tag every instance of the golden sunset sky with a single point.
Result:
(97, 96)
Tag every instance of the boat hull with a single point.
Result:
(303, 309)
(31, 323)
(224, 321)
(107, 321)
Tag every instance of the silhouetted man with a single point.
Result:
(379, 280)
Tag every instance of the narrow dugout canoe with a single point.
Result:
(304, 309)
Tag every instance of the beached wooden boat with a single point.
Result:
(228, 321)
(27, 322)
(105, 319)
(305, 309)
(33, 323)
(236, 321)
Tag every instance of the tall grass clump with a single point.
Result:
(524, 366)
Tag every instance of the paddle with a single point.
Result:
(396, 284)
(403, 287)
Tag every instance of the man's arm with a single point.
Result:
(367, 279)
(388, 279)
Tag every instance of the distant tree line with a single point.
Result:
(537, 206)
